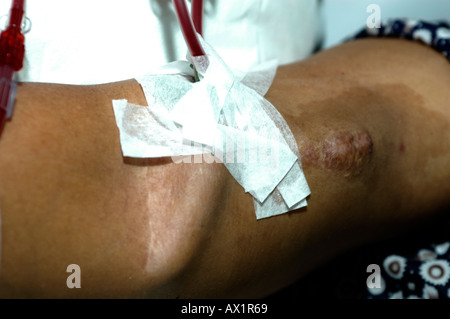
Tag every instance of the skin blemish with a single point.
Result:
(309, 155)
(347, 151)
(401, 148)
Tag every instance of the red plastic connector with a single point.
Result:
(12, 52)
(12, 41)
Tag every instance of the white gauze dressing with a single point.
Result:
(224, 114)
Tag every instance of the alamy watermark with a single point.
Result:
(74, 279)
(374, 279)
(374, 19)
(261, 148)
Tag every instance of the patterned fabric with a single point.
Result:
(434, 34)
(423, 276)
(414, 266)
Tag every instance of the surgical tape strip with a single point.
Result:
(224, 114)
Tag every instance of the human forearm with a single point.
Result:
(154, 228)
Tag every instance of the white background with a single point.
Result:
(126, 38)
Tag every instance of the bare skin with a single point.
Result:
(372, 121)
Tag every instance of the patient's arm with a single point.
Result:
(372, 121)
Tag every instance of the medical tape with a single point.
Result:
(224, 114)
